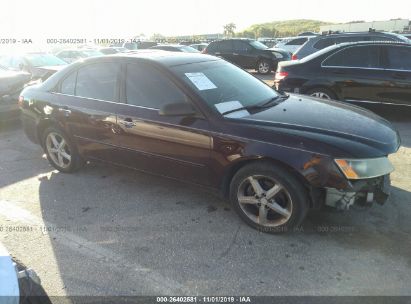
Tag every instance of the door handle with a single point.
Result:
(235, 54)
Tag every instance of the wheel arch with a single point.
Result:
(330, 86)
(234, 168)
(43, 125)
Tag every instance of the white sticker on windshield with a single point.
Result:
(230, 106)
(201, 81)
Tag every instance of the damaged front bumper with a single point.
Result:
(363, 192)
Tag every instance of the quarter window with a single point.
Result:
(399, 58)
(97, 81)
(148, 87)
(68, 85)
(358, 57)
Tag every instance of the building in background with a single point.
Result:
(393, 25)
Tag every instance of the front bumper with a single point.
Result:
(363, 192)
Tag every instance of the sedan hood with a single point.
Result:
(354, 131)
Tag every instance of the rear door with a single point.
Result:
(174, 146)
(243, 55)
(225, 50)
(397, 62)
(87, 103)
(358, 73)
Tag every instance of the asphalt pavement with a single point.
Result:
(112, 231)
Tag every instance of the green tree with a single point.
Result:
(229, 29)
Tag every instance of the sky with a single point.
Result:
(123, 18)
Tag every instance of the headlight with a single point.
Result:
(364, 168)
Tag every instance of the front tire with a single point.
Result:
(268, 198)
(61, 152)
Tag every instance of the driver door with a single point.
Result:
(173, 146)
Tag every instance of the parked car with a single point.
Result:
(247, 53)
(317, 43)
(174, 48)
(11, 84)
(39, 65)
(356, 72)
(127, 45)
(72, 55)
(203, 120)
(112, 50)
(292, 44)
(199, 46)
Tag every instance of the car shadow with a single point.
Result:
(130, 233)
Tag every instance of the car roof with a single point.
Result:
(347, 44)
(168, 59)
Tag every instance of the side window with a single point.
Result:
(98, 81)
(241, 46)
(323, 43)
(225, 46)
(357, 57)
(148, 87)
(68, 85)
(298, 41)
(399, 58)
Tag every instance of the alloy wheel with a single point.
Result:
(58, 150)
(321, 95)
(264, 201)
(263, 67)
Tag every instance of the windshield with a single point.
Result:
(219, 82)
(258, 45)
(38, 60)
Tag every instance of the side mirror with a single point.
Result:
(177, 109)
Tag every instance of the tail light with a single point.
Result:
(21, 101)
(204, 51)
(294, 57)
(281, 75)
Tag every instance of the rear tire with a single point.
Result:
(322, 93)
(268, 197)
(61, 152)
(264, 67)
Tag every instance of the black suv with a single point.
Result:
(248, 54)
(356, 72)
(317, 43)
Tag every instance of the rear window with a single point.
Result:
(360, 56)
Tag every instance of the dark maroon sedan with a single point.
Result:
(201, 119)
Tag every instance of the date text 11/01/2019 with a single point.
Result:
(204, 299)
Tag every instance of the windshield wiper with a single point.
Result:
(267, 104)
(273, 101)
